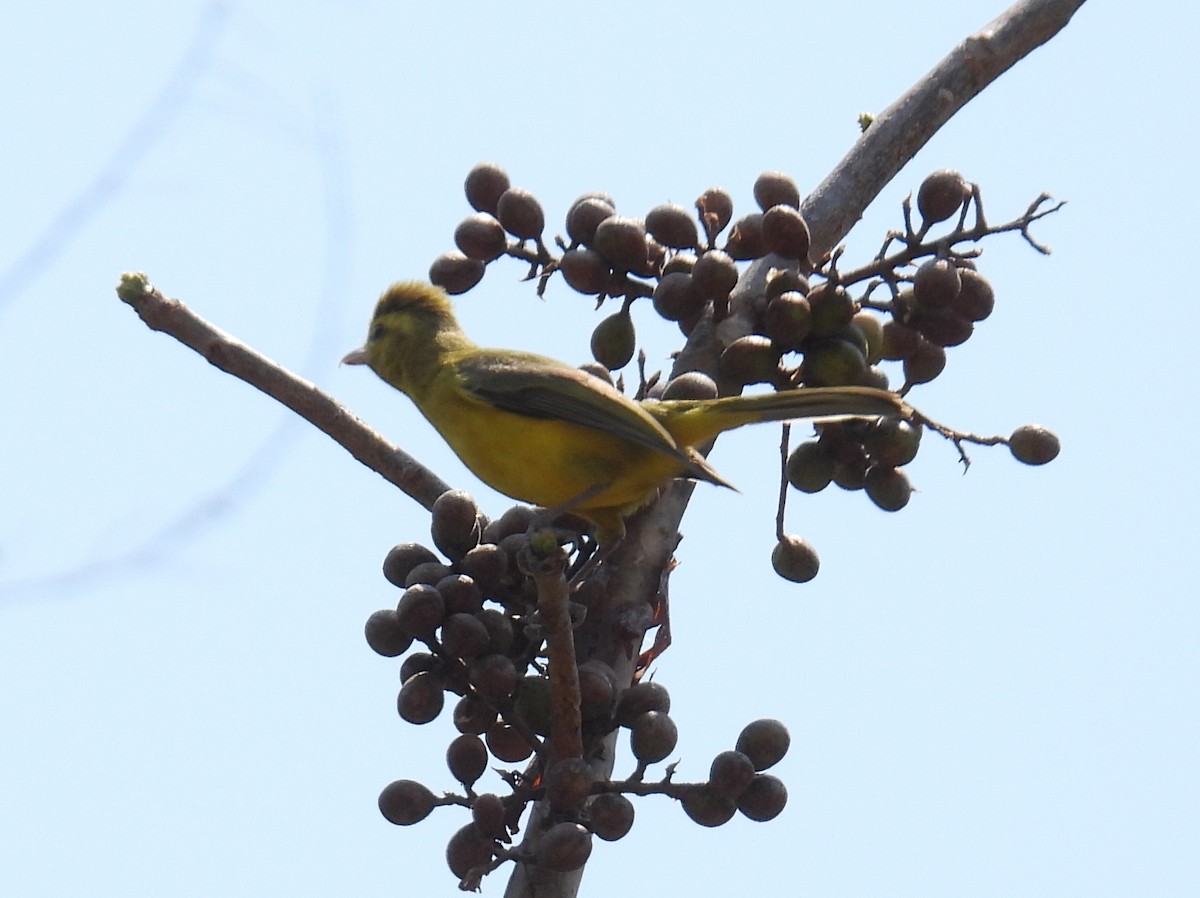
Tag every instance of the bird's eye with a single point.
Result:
(377, 332)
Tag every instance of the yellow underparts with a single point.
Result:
(520, 456)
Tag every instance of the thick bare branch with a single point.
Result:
(897, 133)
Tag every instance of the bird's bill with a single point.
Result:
(355, 357)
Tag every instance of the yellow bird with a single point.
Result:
(544, 432)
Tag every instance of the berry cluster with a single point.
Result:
(803, 323)
(479, 638)
(481, 619)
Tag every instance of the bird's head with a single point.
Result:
(412, 324)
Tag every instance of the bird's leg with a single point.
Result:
(662, 617)
(565, 507)
(593, 561)
(597, 553)
(588, 547)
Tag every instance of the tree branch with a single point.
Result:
(547, 563)
(899, 132)
(234, 357)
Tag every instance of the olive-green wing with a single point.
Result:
(539, 387)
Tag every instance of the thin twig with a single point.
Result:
(318, 408)
(566, 722)
(917, 245)
(785, 441)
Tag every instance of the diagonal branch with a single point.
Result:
(899, 132)
(318, 408)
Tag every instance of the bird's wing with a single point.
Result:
(543, 388)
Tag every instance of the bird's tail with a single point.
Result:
(695, 421)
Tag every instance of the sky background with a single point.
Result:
(991, 693)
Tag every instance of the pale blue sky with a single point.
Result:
(992, 693)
